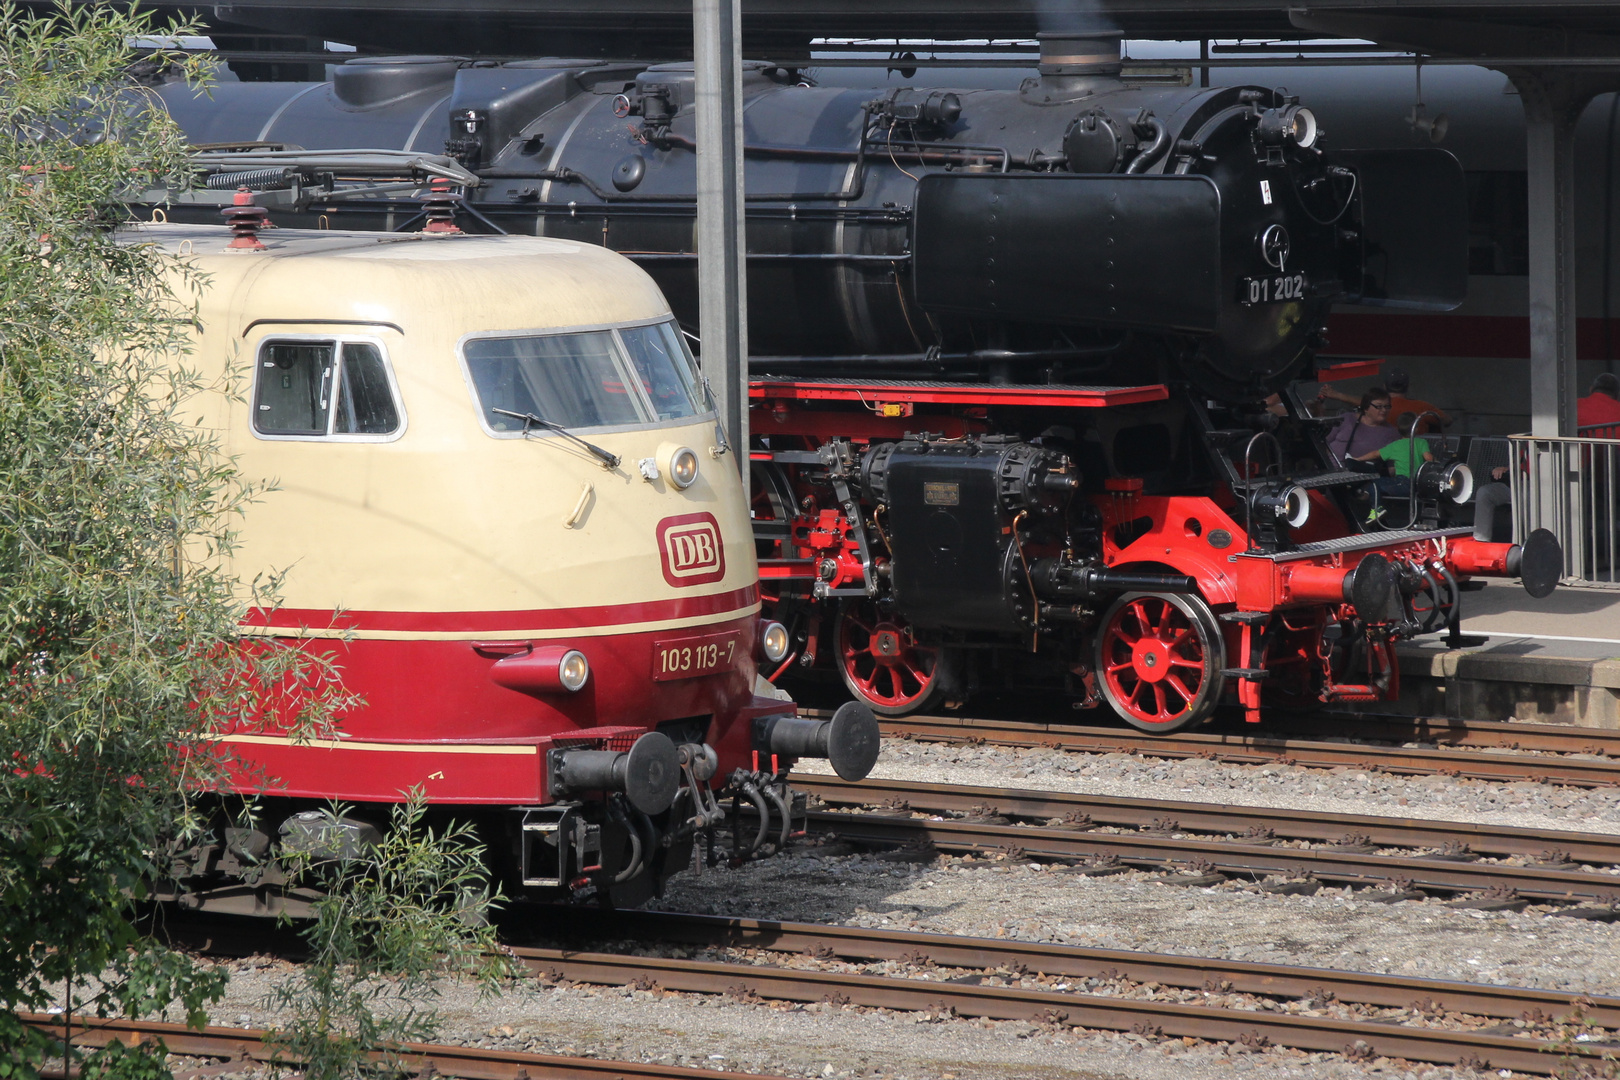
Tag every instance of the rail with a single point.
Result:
(1156, 996)
(1570, 486)
(244, 1051)
(1358, 860)
(1543, 753)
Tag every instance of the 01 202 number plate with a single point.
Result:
(691, 657)
(1270, 290)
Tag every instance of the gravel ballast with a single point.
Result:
(1003, 898)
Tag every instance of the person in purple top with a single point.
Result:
(1365, 430)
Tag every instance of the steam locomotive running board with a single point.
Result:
(1364, 542)
(876, 391)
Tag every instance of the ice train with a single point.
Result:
(503, 508)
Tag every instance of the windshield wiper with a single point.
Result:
(609, 459)
(719, 421)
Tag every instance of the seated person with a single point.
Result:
(1363, 430)
(1599, 410)
(1398, 459)
(1405, 454)
(1398, 383)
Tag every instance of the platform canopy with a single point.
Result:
(663, 28)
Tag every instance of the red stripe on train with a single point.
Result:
(480, 622)
(1500, 337)
(427, 692)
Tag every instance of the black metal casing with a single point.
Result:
(912, 221)
(955, 514)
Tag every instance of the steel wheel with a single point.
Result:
(771, 510)
(1159, 658)
(884, 666)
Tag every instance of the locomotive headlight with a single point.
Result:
(1291, 123)
(1454, 481)
(1301, 126)
(773, 641)
(573, 670)
(1291, 505)
(679, 463)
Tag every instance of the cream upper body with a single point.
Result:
(444, 505)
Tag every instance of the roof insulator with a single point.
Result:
(245, 220)
(440, 205)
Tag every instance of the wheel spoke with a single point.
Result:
(888, 676)
(1187, 693)
(1158, 700)
(917, 671)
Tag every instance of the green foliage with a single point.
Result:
(394, 922)
(1571, 1036)
(119, 651)
(119, 1062)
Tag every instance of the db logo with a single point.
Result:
(691, 550)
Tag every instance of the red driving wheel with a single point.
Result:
(1160, 658)
(883, 665)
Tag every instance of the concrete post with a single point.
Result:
(722, 245)
(1550, 112)
(1553, 101)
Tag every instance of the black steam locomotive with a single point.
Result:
(1023, 234)
(1019, 355)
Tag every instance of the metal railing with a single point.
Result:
(1572, 487)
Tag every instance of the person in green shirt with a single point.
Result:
(1409, 450)
(1397, 458)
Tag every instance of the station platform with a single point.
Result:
(1552, 661)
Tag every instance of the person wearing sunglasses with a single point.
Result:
(1365, 430)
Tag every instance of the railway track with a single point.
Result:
(1437, 856)
(238, 1048)
(1474, 749)
(1363, 1015)
(1277, 981)
(1415, 1019)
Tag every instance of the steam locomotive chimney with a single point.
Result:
(1092, 52)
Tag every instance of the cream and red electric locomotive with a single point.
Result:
(1018, 355)
(502, 506)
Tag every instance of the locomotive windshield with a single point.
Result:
(600, 378)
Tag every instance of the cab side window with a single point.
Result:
(365, 403)
(294, 383)
(318, 389)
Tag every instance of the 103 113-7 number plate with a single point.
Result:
(1271, 290)
(691, 657)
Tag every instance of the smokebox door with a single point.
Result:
(1093, 250)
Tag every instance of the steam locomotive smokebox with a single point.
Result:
(1096, 250)
(950, 515)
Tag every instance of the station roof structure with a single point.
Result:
(663, 28)
(1559, 54)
